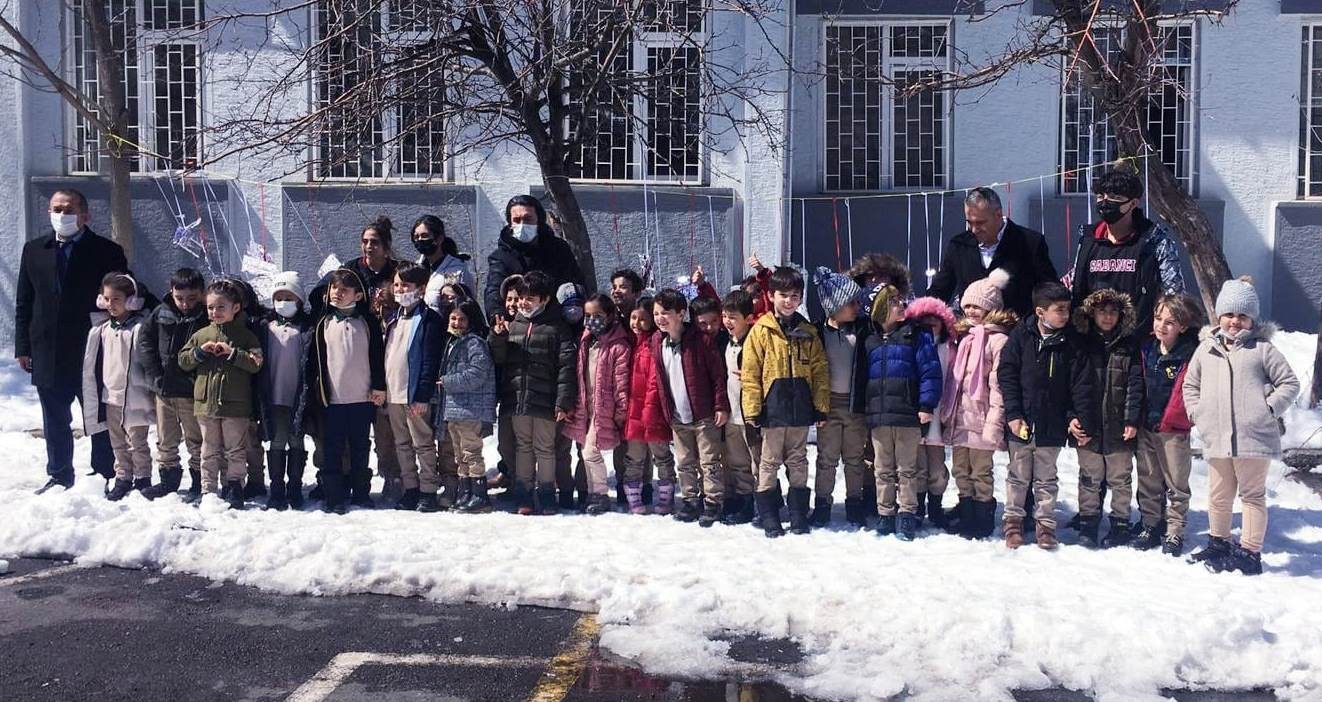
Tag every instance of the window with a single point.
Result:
(1086, 138)
(371, 43)
(162, 79)
(649, 131)
(878, 135)
(1310, 114)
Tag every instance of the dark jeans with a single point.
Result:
(55, 419)
(347, 428)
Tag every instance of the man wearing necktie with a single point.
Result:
(59, 277)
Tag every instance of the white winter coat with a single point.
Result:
(139, 402)
(1236, 395)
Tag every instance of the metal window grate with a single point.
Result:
(419, 151)
(86, 149)
(609, 140)
(877, 136)
(348, 143)
(176, 108)
(1310, 114)
(674, 113)
(1087, 140)
(171, 14)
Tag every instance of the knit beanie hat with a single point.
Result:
(1238, 297)
(834, 290)
(569, 295)
(288, 281)
(986, 292)
(881, 303)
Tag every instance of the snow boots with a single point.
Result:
(1013, 529)
(1215, 549)
(1173, 545)
(1046, 537)
(427, 503)
(409, 500)
(633, 495)
(965, 519)
(121, 490)
(921, 512)
(1087, 529)
(1149, 537)
(478, 501)
(546, 501)
(743, 514)
(170, 479)
(768, 515)
(979, 521)
(711, 513)
(886, 525)
(601, 504)
(195, 488)
(275, 466)
(1237, 559)
(665, 497)
(256, 485)
(1119, 535)
(855, 513)
(235, 494)
(295, 461)
(798, 508)
(908, 528)
(821, 512)
(936, 516)
(689, 510)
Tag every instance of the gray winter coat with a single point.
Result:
(468, 379)
(1236, 395)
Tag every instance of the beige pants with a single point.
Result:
(896, 464)
(1117, 470)
(415, 448)
(174, 423)
(1035, 467)
(1246, 477)
(933, 478)
(387, 458)
(534, 455)
(698, 461)
(224, 447)
(132, 453)
(741, 460)
(843, 437)
(972, 469)
(594, 463)
(641, 456)
(466, 439)
(1164, 463)
(786, 446)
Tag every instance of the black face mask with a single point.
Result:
(426, 247)
(1110, 211)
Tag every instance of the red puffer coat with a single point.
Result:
(647, 419)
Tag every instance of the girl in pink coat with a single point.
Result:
(597, 423)
(972, 413)
(934, 314)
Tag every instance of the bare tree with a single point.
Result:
(405, 84)
(106, 110)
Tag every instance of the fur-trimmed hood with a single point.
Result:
(1003, 320)
(1103, 298)
(933, 307)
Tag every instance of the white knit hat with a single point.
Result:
(1238, 297)
(288, 281)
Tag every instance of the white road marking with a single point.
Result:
(49, 572)
(321, 685)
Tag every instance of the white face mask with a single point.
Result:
(65, 225)
(286, 308)
(523, 233)
(345, 307)
(407, 300)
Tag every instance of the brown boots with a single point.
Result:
(1046, 537)
(1014, 532)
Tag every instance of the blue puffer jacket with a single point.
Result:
(468, 378)
(904, 376)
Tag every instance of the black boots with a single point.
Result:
(295, 461)
(1119, 535)
(170, 479)
(936, 516)
(235, 488)
(1088, 526)
(1215, 549)
(275, 466)
(427, 503)
(743, 513)
(1173, 545)
(195, 489)
(885, 525)
(546, 501)
(334, 492)
(921, 512)
(797, 503)
(121, 490)
(1149, 537)
(141, 484)
(768, 514)
(711, 513)
(978, 519)
(409, 500)
(821, 512)
(908, 527)
(478, 502)
(855, 513)
(1237, 559)
(255, 487)
(689, 510)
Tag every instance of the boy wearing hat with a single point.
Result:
(845, 434)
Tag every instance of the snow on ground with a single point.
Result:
(940, 618)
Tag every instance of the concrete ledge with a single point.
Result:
(890, 7)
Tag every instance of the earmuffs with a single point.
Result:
(134, 303)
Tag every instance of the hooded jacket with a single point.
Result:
(1236, 395)
(538, 360)
(1143, 266)
(468, 375)
(972, 411)
(904, 376)
(607, 409)
(1117, 371)
(945, 352)
(785, 381)
(164, 332)
(1046, 382)
(647, 418)
(139, 401)
(223, 386)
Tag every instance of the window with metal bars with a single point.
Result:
(1310, 113)
(1087, 141)
(363, 45)
(882, 132)
(647, 128)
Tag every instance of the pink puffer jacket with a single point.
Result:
(610, 390)
(972, 411)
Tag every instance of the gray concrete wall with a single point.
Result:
(1297, 295)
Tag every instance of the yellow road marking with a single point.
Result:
(566, 667)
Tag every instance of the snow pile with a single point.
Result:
(940, 618)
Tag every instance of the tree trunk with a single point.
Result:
(572, 225)
(110, 84)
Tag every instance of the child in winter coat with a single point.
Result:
(1106, 319)
(688, 379)
(844, 436)
(346, 340)
(646, 432)
(904, 389)
(933, 476)
(415, 340)
(284, 340)
(504, 422)
(786, 391)
(1046, 382)
(468, 403)
(224, 355)
(1237, 388)
(1164, 459)
(116, 394)
(537, 353)
(598, 419)
(972, 411)
(164, 331)
(742, 448)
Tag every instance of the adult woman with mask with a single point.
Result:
(527, 243)
(375, 267)
(440, 255)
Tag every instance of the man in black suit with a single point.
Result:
(59, 278)
(993, 241)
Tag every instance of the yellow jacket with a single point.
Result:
(785, 379)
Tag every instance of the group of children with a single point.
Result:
(701, 400)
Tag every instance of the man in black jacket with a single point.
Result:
(59, 278)
(527, 243)
(993, 241)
